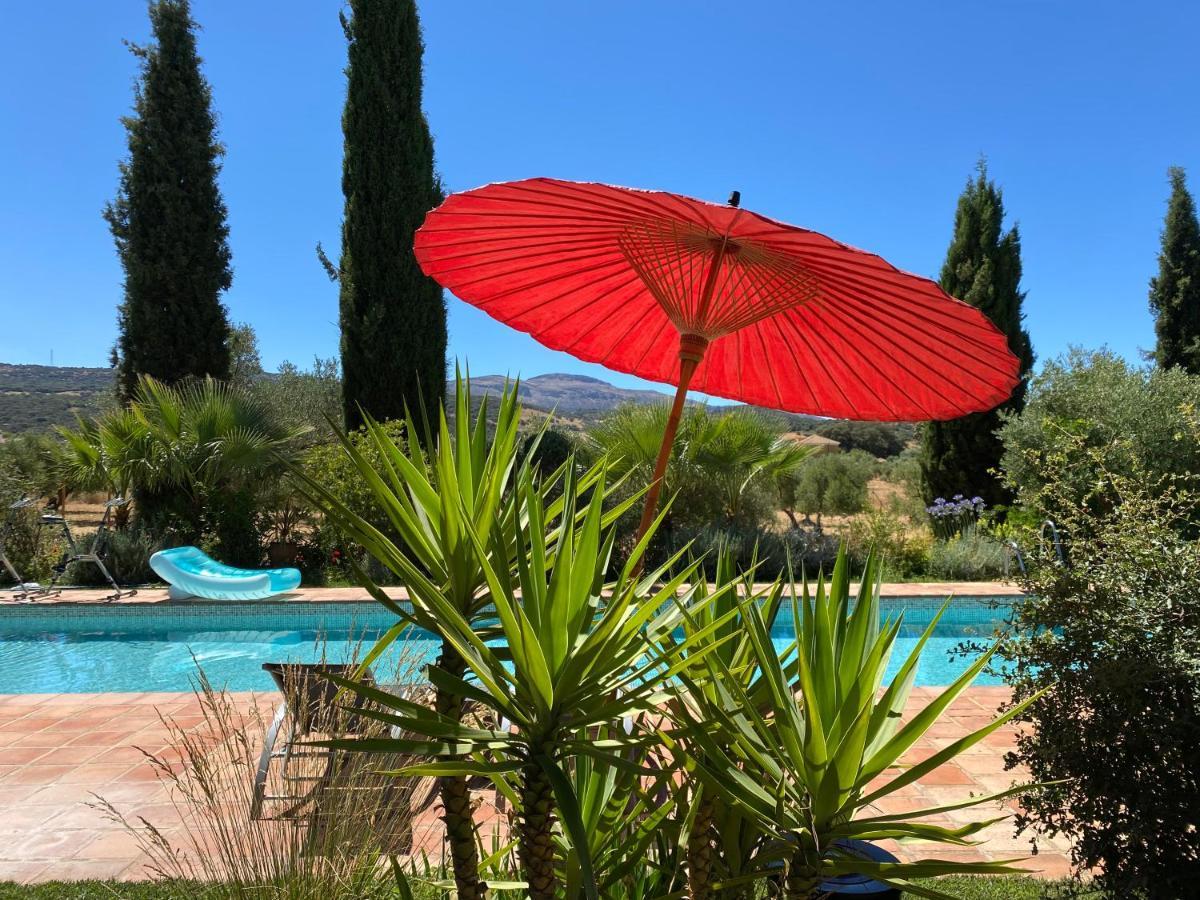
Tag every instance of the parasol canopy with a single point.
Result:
(716, 298)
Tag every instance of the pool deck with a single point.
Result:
(59, 751)
(158, 594)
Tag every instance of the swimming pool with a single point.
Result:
(133, 648)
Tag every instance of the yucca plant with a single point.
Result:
(719, 839)
(630, 820)
(803, 746)
(449, 498)
(572, 659)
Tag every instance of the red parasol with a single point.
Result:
(715, 298)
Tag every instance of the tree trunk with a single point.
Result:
(803, 878)
(700, 849)
(536, 838)
(456, 796)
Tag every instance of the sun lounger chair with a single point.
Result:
(192, 573)
(295, 774)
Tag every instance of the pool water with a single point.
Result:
(131, 648)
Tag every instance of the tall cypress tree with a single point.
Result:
(393, 317)
(1175, 291)
(168, 219)
(983, 268)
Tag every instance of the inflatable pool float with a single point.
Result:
(191, 572)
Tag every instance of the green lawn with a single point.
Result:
(965, 888)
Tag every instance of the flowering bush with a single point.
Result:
(951, 518)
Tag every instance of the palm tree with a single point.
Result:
(730, 452)
(179, 450)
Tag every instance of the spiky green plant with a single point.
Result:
(450, 501)
(572, 658)
(804, 743)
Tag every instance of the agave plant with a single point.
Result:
(572, 659)
(452, 507)
(813, 741)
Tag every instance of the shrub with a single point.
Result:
(971, 556)
(127, 556)
(810, 550)
(903, 547)
(1090, 413)
(1115, 637)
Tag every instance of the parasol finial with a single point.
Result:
(735, 199)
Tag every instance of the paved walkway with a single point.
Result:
(57, 752)
(158, 594)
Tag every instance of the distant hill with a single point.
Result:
(36, 398)
(570, 395)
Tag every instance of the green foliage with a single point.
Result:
(983, 268)
(245, 364)
(127, 555)
(731, 467)
(304, 399)
(194, 457)
(569, 663)
(1175, 291)
(449, 513)
(1091, 413)
(807, 766)
(168, 220)
(880, 439)
(768, 551)
(29, 466)
(833, 484)
(903, 548)
(1010, 888)
(973, 555)
(550, 449)
(393, 318)
(1114, 637)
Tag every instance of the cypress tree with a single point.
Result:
(393, 318)
(168, 219)
(983, 268)
(1175, 291)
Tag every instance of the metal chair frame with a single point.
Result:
(71, 553)
(24, 590)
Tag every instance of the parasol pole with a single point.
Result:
(691, 353)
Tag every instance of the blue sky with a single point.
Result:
(862, 120)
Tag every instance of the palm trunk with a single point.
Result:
(456, 796)
(700, 848)
(536, 838)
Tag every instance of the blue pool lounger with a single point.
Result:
(193, 573)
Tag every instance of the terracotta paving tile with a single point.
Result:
(109, 737)
(36, 774)
(17, 793)
(65, 749)
(50, 845)
(21, 755)
(69, 755)
(22, 872)
(22, 818)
